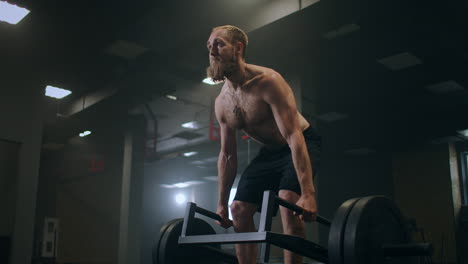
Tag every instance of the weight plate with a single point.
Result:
(162, 231)
(335, 237)
(168, 250)
(373, 221)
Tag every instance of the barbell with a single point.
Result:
(367, 230)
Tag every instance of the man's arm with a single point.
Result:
(281, 99)
(227, 164)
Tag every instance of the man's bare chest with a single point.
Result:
(245, 111)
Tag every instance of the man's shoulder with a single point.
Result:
(265, 76)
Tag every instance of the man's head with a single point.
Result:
(226, 46)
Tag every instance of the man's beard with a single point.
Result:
(218, 70)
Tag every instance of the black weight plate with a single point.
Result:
(335, 237)
(168, 250)
(373, 221)
(162, 231)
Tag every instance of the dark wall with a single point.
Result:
(8, 190)
(343, 177)
(8, 184)
(423, 191)
(81, 185)
(21, 111)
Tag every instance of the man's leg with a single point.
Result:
(242, 216)
(292, 225)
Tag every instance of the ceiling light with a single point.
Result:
(190, 154)
(463, 133)
(400, 61)
(342, 31)
(180, 198)
(172, 97)
(86, 133)
(12, 14)
(56, 92)
(209, 81)
(192, 125)
(445, 87)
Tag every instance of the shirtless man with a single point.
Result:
(258, 101)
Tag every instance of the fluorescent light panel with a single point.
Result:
(86, 133)
(56, 92)
(342, 31)
(190, 154)
(172, 97)
(400, 61)
(445, 87)
(209, 81)
(192, 125)
(12, 14)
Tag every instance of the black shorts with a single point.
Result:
(274, 170)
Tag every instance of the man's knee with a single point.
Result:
(241, 210)
(289, 196)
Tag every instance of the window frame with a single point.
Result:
(462, 155)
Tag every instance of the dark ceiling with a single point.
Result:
(67, 44)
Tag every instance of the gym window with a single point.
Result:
(464, 175)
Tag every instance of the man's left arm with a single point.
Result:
(278, 94)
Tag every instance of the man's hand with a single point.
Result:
(309, 204)
(223, 211)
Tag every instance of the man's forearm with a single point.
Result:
(227, 170)
(302, 164)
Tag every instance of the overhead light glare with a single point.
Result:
(463, 133)
(190, 154)
(12, 14)
(209, 81)
(56, 92)
(172, 97)
(192, 125)
(232, 195)
(181, 184)
(180, 198)
(86, 133)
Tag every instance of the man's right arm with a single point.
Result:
(227, 164)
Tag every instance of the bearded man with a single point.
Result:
(258, 101)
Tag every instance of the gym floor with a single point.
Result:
(93, 177)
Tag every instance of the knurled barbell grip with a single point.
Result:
(299, 210)
(208, 213)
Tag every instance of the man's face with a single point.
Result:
(222, 55)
